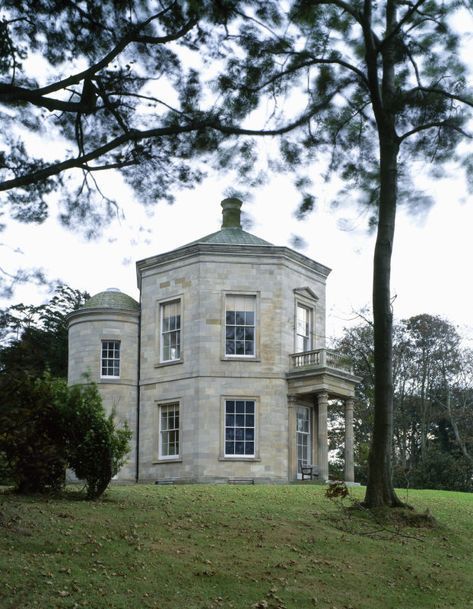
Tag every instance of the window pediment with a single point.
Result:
(306, 292)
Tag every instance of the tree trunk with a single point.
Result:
(456, 431)
(380, 490)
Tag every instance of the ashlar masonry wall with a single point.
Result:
(200, 276)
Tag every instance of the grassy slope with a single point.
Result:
(205, 547)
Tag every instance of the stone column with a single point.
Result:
(322, 436)
(349, 462)
(292, 455)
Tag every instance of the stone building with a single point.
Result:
(221, 370)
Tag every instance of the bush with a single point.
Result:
(96, 448)
(48, 426)
(440, 470)
(6, 472)
(31, 435)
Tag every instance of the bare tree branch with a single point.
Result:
(446, 124)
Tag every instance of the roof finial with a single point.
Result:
(231, 213)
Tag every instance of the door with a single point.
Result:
(303, 438)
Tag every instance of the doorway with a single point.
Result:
(303, 438)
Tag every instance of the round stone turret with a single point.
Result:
(103, 348)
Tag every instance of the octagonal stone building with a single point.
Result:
(221, 370)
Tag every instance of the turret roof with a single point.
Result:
(112, 299)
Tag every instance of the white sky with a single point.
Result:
(431, 262)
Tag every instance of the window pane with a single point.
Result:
(171, 331)
(169, 430)
(110, 358)
(303, 330)
(249, 333)
(240, 322)
(240, 427)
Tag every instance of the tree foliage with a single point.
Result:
(34, 337)
(46, 427)
(114, 85)
(32, 435)
(433, 406)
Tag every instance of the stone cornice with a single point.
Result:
(100, 313)
(243, 251)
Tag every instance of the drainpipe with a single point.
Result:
(138, 373)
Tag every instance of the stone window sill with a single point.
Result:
(172, 363)
(230, 358)
(241, 459)
(161, 461)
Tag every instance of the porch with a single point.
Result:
(314, 379)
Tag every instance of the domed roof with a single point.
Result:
(112, 298)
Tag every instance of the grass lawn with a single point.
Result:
(211, 547)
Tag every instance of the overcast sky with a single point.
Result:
(432, 259)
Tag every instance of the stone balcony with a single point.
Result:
(321, 370)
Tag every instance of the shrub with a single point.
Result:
(439, 470)
(31, 436)
(96, 448)
(47, 426)
(6, 472)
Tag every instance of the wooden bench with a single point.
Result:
(309, 472)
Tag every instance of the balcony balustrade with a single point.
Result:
(320, 358)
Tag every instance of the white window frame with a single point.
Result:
(255, 326)
(162, 332)
(308, 336)
(245, 415)
(162, 406)
(304, 438)
(306, 298)
(116, 357)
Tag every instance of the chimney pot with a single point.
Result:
(231, 213)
